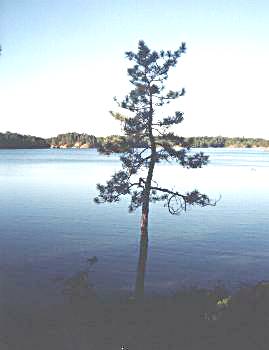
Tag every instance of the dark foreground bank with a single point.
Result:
(191, 319)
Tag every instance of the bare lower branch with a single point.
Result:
(178, 202)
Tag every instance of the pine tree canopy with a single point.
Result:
(148, 138)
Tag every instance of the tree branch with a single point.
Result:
(178, 202)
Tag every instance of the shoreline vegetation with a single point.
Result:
(190, 319)
(10, 140)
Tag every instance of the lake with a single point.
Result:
(50, 225)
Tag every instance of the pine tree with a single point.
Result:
(148, 139)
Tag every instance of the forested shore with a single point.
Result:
(17, 141)
(77, 140)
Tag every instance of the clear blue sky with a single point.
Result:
(63, 61)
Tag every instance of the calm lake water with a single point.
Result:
(50, 226)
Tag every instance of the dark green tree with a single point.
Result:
(148, 139)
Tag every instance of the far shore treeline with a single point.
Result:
(76, 140)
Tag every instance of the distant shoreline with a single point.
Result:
(79, 148)
(75, 140)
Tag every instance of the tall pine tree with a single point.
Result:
(148, 139)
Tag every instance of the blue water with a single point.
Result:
(49, 225)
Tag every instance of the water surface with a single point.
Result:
(49, 224)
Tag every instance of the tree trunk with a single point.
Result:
(145, 205)
(141, 269)
(147, 189)
(144, 221)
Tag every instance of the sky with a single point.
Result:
(63, 61)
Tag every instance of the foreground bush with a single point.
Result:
(190, 319)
